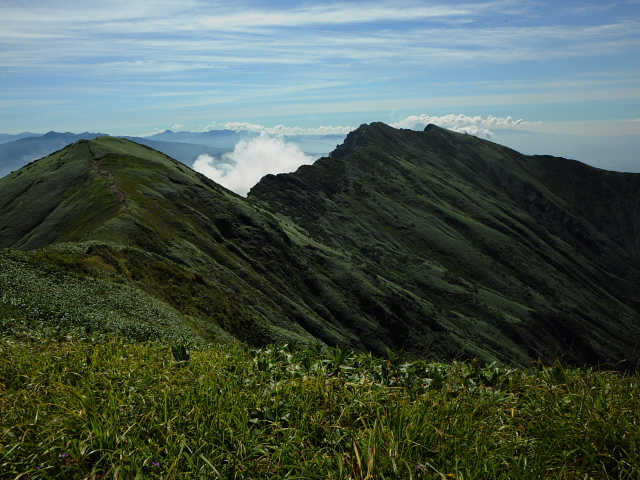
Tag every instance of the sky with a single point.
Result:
(567, 69)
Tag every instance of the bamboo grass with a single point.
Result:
(96, 408)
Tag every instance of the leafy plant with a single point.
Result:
(103, 407)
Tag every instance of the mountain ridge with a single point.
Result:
(517, 188)
(436, 242)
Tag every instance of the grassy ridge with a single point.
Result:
(90, 408)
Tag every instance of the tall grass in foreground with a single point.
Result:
(120, 410)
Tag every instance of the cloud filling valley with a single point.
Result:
(252, 159)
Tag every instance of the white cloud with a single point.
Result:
(343, 13)
(420, 121)
(254, 127)
(476, 125)
(160, 40)
(474, 130)
(251, 160)
(219, 36)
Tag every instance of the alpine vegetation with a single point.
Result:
(417, 305)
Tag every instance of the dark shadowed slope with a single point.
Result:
(507, 254)
(439, 243)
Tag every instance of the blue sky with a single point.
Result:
(134, 67)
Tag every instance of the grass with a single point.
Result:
(108, 408)
(52, 290)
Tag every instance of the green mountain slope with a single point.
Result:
(163, 228)
(510, 255)
(439, 243)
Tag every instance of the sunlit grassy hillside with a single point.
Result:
(96, 408)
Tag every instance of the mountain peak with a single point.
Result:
(364, 135)
(441, 202)
(379, 135)
(83, 190)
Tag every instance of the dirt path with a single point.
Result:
(111, 181)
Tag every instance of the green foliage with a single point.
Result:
(180, 354)
(112, 409)
(52, 291)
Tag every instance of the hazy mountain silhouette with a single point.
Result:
(15, 154)
(6, 137)
(229, 138)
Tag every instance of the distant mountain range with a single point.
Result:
(16, 153)
(6, 137)
(18, 150)
(314, 144)
(435, 242)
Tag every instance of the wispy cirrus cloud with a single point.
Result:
(348, 13)
(254, 60)
(135, 40)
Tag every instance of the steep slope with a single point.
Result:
(508, 255)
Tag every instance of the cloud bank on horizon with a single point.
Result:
(476, 125)
(270, 153)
